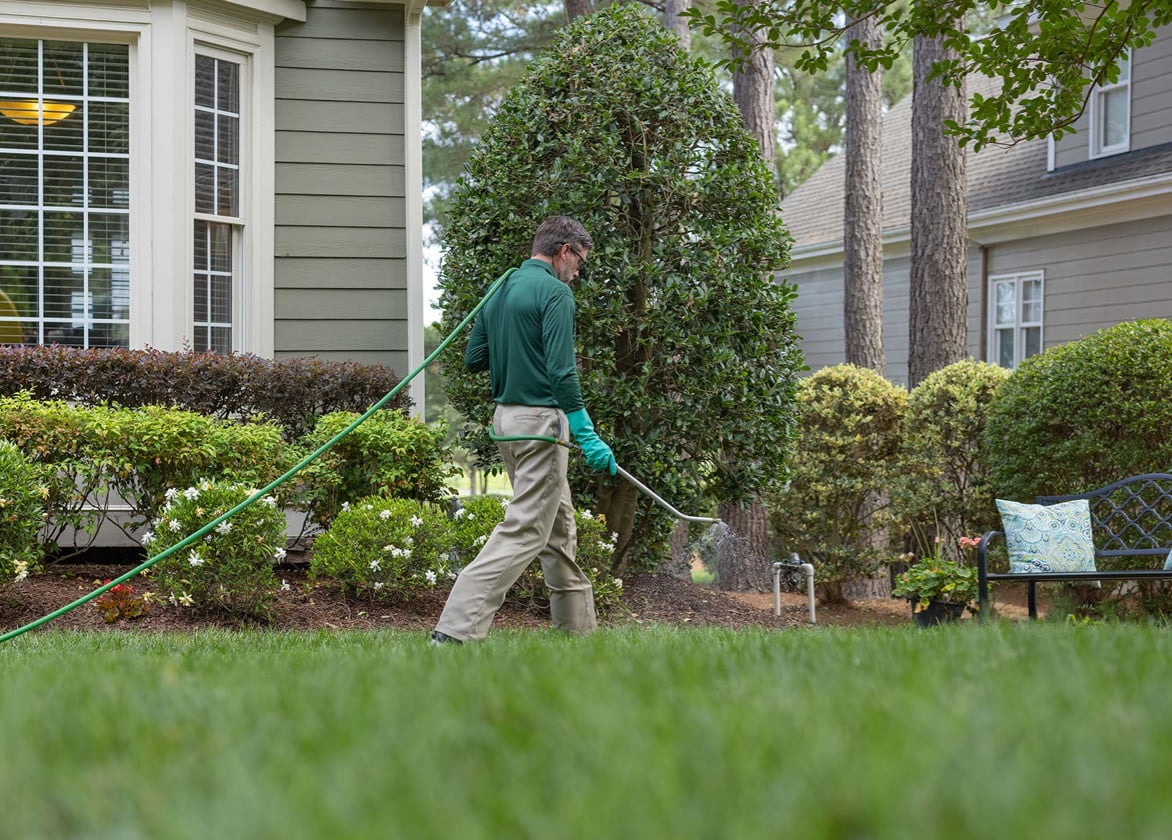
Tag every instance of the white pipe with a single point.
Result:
(808, 568)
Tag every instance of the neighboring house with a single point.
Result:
(1065, 237)
(226, 175)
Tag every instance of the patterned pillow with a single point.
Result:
(1048, 538)
(1168, 562)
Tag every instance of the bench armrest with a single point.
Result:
(983, 571)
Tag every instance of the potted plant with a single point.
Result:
(938, 589)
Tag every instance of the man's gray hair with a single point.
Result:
(556, 231)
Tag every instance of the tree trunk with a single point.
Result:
(938, 334)
(863, 210)
(673, 22)
(742, 560)
(680, 564)
(577, 9)
(753, 93)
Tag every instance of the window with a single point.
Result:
(64, 193)
(1015, 318)
(217, 201)
(1111, 113)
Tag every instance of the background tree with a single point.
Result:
(1049, 54)
(938, 290)
(687, 348)
(863, 206)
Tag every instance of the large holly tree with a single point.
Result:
(688, 356)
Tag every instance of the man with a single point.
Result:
(524, 338)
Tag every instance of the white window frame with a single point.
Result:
(1019, 323)
(162, 38)
(1098, 113)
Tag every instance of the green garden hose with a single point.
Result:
(261, 493)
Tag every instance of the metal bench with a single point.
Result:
(1131, 518)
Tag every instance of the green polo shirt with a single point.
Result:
(524, 338)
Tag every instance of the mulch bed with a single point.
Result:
(318, 605)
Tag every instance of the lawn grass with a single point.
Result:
(983, 732)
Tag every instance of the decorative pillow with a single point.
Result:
(1168, 562)
(1048, 538)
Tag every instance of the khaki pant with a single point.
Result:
(538, 524)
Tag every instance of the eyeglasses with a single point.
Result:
(578, 254)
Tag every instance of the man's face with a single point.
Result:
(568, 262)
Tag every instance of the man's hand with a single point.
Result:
(598, 455)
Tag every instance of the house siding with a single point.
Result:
(1097, 277)
(1151, 105)
(340, 286)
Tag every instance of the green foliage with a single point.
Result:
(472, 524)
(389, 454)
(1048, 54)
(119, 602)
(1084, 414)
(943, 485)
(385, 548)
(22, 513)
(937, 579)
(596, 543)
(688, 352)
(231, 569)
(832, 513)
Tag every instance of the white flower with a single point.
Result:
(191, 493)
(408, 541)
(482, 539)
(279, 554)
(374, 565)
(194, 559)
(378, 584)
(224, 527)
(471, 516)
(186, 600)
(430, 575)
(451, 575)
(588, 514)
(618, 582)
(147, 538)
(285, 587)
(174, 525)
(21, 571)
(384, 514)
(345, 506)
(416, 521)
(388, 547)
(460, 514)
(171, 494)
(270, 501)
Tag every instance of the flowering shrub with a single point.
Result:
(22, 513)
(231, 568)
(472, 524)
(385, 547)
(121, 602)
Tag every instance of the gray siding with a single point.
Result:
(340, 275)
(1097, 277)
(1151, 105)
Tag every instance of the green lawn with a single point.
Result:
(963, 732)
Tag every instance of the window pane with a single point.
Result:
(220, 248)
(201, 298)
(63, 181)
(109, 182)
(226, 192)
(228, 87)
(205, 81)
(109, 70)
(1032, 338)
(67, 135)
(1005, 304)
(1115, 117)
(205, 135)
(64, 237)
(228, 139)
(1004, 349)
(18, 304)
(18, 179)
(64, 295)
(220, 299)
(110, 238)
(16, 136)
(111, 293)
(1031, 301)
(109, 126)
(18, 235)
(205, 188)
(63, 68)
(18, 66)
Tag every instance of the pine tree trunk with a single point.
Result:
(673, 22)
(680, 564)
(753, 94)
(742, 563)
(863, 211)
(938, 332)
(576, 9)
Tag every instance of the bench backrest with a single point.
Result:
(1132, 516)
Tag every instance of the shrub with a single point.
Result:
(385, 547)
(290, 392)
(22, 513)
(1085, 414)
(833, 512)
(942, 488)
(388, 455)
(230, 569)
(472, 524)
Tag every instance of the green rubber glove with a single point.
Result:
(598, 454)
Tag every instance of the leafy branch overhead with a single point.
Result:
(1049, 55)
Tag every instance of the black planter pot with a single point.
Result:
(937, 612)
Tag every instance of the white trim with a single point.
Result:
(1051, 152)
(413, 173)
